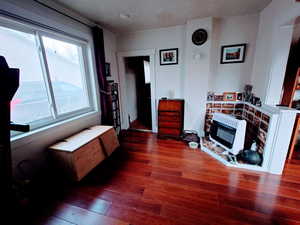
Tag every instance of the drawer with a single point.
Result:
(170, 105)
(169, 119)
(169, 131)
(169, 113)
(167, 124)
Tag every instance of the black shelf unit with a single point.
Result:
(115, 105)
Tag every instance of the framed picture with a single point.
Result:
(210, 96)
(218, 97)
(229, 96)
(239, 96)
(168, 56)
(107, 70)
(233, 53)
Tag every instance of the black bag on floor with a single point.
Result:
(190, 136)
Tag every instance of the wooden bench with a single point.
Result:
(80, 153)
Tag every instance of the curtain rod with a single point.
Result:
(64, 14)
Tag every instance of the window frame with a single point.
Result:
(86, 66)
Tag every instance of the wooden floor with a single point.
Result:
(138, 125)
(162, 182)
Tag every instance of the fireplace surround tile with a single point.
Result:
(217, 105)
(228, 105)
(265, 118)
(239, 106)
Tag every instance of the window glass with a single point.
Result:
(52, 75)
(30, 104)
(65, 63)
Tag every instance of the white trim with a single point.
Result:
(46, 75)
(17, 140)
(238, 165)
(277, 69)
(122, 80)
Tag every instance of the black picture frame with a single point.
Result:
(173, 59)
(241, 53)
(107, 70)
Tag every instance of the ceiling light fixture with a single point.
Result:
(125, 16)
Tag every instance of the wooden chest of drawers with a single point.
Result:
(170, 118)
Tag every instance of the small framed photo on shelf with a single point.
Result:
(233, 53)
(168, 56)
(218, 97)
(239, 96)
(107, 70)
(210, 96)
(229, 96)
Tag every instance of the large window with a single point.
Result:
(53, 75)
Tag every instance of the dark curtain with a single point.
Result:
(98, 38)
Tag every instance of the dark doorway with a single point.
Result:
(138, 90)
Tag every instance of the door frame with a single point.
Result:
(122, 79)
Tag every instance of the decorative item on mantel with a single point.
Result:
(250, 97)
(246, 96)
(248, 92)
(210, 96)
(230, 96)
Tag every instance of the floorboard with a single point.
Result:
(149, 181)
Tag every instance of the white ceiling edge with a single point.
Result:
(77, 16)
(181, 25)
(155, 29)
(69, 12)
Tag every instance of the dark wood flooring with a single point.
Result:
(138, 125)
(149, 181)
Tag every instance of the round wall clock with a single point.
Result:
(199, 37)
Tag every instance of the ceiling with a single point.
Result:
(148, 14)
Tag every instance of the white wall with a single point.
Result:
(192, 78)
(234, 30)
(168, 78)
(273, 44)
(110, 45)
(131, 93)
(197, 75)
(34, 147)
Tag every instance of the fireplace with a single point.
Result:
(228, 132)
(270, 127)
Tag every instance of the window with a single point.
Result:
(53, 75)
(67, 75)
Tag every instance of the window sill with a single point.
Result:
(21, 139)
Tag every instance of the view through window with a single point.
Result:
(53, 85)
